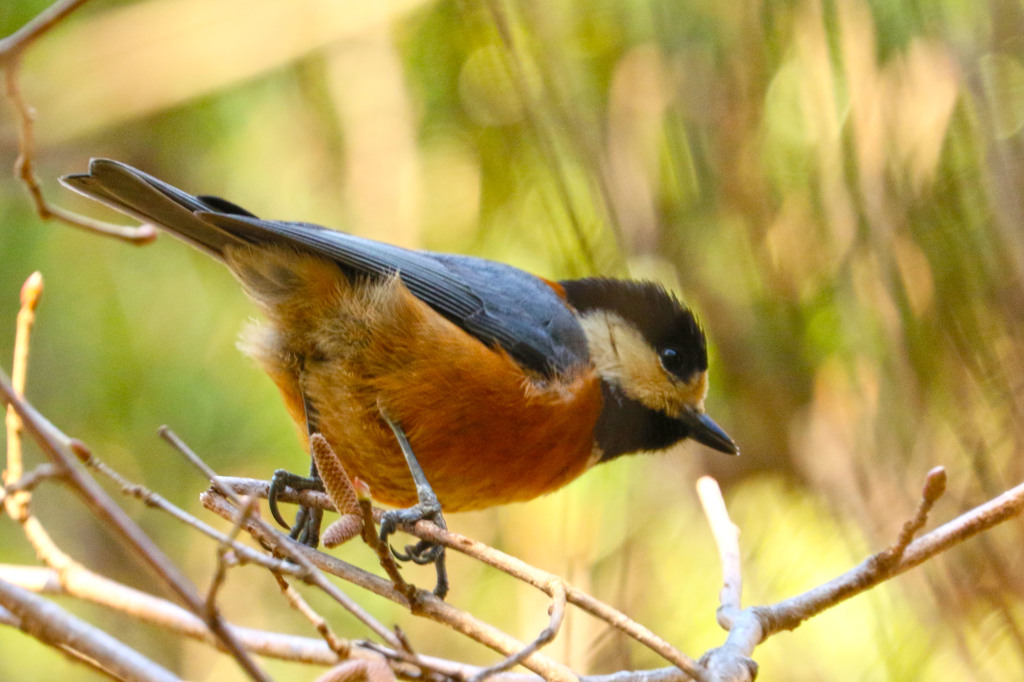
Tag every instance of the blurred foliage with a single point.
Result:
(836, 187)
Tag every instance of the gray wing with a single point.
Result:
(496, 303)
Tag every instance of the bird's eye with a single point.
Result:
(671, 359)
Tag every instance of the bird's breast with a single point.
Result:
(485, 432)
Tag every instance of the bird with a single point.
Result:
(503, 384)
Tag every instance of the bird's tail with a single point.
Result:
(153, 201)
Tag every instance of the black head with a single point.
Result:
(651, 354)
(666, 324)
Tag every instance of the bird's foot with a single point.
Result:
(306, 528)
(423, 552)
(428, 508)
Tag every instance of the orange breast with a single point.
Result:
(484, 432)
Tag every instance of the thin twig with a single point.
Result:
(387, 561)
(281, 543)
(341, 647)
(934, 487)
(981, 518)
(16, 504)
(754, 625)
(97, 589)
(23, 168)
(244, 554)
(260, 488)
(10, 53)
(13, 45)
(731, 661)
(359, 671)
(514, 567)
(195, 460)
(727, 539)
(56, 447)
(428, 605)
(86, 585)
(789, 613)
(543, 580)
(546, 636)
(51, 624)
(225, 552)
(31, 479)
(45, 621)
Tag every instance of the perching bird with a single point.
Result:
(507, 385)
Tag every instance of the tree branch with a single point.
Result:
(58, 449)
(84, 584)
(13, 45)
(11, 49)
(727, 539)
(426, 603)
(755, 624)
(510, 565)
(53, 625)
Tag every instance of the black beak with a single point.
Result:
(706, 432)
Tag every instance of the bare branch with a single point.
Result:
(57, 447)
(754, 625)
(16, 504)
(339, 646)
(82, 583)
(384, 556)
(53, 625)
(508, 564)
(13, 45)
(544, 581)
(11, 49)
(351, 671)
(23, 169)
(260, 488)
(730, 662)
(243, 553)
(29, 480)
(727, 538)
(18, 498)
(789, 613)
(277, 541)
(225, 554)
(547, 635)
(426, 603)
(934, 487)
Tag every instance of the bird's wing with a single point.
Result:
(496, 303)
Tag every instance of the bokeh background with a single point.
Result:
(834, 185)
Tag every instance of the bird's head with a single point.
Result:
(651, 355)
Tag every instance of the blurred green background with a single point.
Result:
(835, 187)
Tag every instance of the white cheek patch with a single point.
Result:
(622, 356)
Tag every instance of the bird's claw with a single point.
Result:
(422, 553)
(306, 528)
